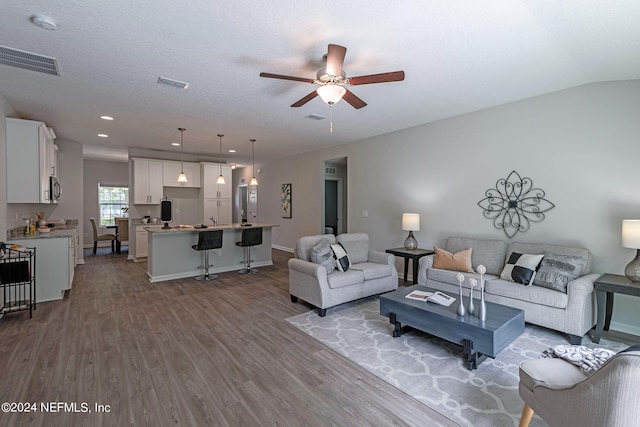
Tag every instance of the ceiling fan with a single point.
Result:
(332, 80)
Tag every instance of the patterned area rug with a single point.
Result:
(430, 369)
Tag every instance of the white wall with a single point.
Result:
(581, 146)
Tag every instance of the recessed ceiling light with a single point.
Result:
(232, 151)
(176, 144)
(106, 117)
(44, 21)
(103, 135)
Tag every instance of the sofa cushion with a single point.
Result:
(460, 261)
(304, 244)
(342, 259)
(372, 270)
(322, 254)
(490, 253)
(557, 270)
(356, 245)
(340, 279)
(541, 248)
(521, 268)
(534, 294)
(449, 276)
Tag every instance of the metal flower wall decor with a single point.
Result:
(514, 204)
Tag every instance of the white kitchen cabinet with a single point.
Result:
(210, 174)
(147, 181)
(52, 266)
(219, 209)
(171, 170)
(142, 242)
(31, 160)
(216, 198)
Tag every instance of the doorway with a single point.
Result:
(334, 203)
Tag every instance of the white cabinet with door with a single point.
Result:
(142, 242)
(171, 170)
(31, 160)
(216, 198)
(147, 181)
(210, 174)
(218, 209)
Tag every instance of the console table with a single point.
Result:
(606, 286)
(413, 254)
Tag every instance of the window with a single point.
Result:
(113, 202)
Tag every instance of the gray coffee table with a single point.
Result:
(478, 339)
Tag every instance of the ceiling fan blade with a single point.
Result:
(394, 76)
(304, 100)
(335, 59)
(355, 102)
(282, 77)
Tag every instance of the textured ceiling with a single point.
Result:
(458, 56)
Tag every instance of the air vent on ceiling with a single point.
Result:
(329, 171)
(315, 117)
(28, 61)
(173, 83)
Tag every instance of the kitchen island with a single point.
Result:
(171, 255)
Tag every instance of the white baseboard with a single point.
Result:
(282, 248)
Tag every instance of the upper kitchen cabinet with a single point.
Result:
(171, 170)
(210, 174)
(31, 160)
(147, 181)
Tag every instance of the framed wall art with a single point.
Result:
(286, 200)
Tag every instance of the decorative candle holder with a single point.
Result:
(461, 310)
(472, 282)
(482, 310)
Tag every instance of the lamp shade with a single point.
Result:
(331, 93)
(411, 222)
(631, 233)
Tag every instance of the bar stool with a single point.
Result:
(208, 240)
(250, 237)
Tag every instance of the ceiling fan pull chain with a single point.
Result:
(331, 119)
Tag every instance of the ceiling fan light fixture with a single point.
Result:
(331, 93)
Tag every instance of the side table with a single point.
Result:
(606, 286)
(413, 254)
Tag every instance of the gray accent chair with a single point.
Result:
(371, 272)
(572, 313)
(563, 396)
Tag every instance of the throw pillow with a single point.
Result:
(322, 254)
(342, 259)
(557, 270)
(521, 268)
(460, 261)
(585, 358)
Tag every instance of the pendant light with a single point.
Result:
(220, 178)
(254, 181)
(182, 178)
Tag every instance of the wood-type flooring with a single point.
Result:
(184, 353)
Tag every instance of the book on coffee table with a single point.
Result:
(435, 297)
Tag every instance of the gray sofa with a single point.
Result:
(572, 312)
(371, 272)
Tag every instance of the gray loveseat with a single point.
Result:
(572, 312)
(371, 272)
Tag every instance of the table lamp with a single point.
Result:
(631, 239)
(411, 223)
